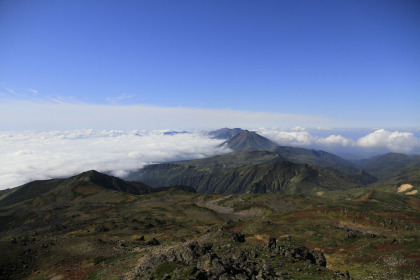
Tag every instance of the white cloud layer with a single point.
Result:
(396, 141)
(27, 155)
(303, 138)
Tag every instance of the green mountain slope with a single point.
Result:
(276, 177)
(385, 166)
(277, 169)
(407, 175)
(313, 157)
(278, 153)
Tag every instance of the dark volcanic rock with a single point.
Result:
(238, 237)
(272, 243)
(154, 241)
(249, 262)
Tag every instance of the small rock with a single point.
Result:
(267, 267)
(272, 243)
(154, 241)
(238, 237)
(351, 234)
(166, 277)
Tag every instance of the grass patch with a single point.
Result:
(165, 268)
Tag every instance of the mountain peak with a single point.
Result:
(248, 140)
(225, 133)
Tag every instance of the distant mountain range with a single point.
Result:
(256, 165)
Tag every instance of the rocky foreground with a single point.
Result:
(81, 230)
(234, 260)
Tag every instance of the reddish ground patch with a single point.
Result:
(328, 210)
(413, 202)
(355, 202)
(238, 227)
(68, 270)
(110, 212)
(250, 206)
(304, 214)
(103, 209)
(80, 273)
(404, 216)
(390, 247)
(366, 259)
(415, 257)
(312, 246)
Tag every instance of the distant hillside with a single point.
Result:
(113, 183)
(315, 157)
(278, 153)
(225, 133)
(386, 166)
(410, 174)
(278, 169)
(273, 177)
(248, 140)
(88, 180)
(29, 191)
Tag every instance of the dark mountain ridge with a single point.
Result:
(39, 188)
(278, 153)
(275, 176)
(248, 140)
(225, 133)
(251, 171)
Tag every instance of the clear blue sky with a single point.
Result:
(333, 59)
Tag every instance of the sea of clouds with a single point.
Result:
(378, 141)
(30, 155)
